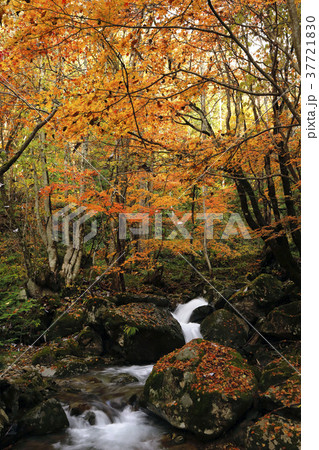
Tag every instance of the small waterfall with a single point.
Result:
(122, 428)
(131, 430)
(183, 313)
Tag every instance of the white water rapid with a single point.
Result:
(183, 313)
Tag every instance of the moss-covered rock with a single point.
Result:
(51, 353)
(69, 367)
(258, 298)
(138, 332)
(22, 392)
(45, 418)
(274, 433)
(225, 328)
(283, 322)
(202, 387)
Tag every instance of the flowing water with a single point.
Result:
(183, 313)
(110, 420)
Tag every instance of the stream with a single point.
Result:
(110, 420)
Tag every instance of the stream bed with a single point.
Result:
(107, 416)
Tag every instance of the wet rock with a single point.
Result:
(283, 322)
(123, 378)
(76, 409)
(274, 433)
(200, 313)
(90, 417)
(48, 417)
(225, 328)
(203, 387)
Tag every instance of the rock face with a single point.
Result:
(138, 332)
(224, 327)
(200, 313)
(258, 298)
(274, 433)
(283, 322)
(45, 418)
(202, 387)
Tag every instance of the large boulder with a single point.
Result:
(45, 418)
(274, 433)
(283, 322)
(259, 297)
(224, 327)
(138, 332)
(22, 392)
(202, 387)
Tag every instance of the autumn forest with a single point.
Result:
(150, 156)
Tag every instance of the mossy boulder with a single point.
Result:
(22, 392)
(69, 367)
(274, 433)
(51, 353)
(203, 387)
(67, 324)
(200, 313)
(48, 417)
(258, 297)
(224, 327)
(90, 342)
(283, 322)
(138, 332)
